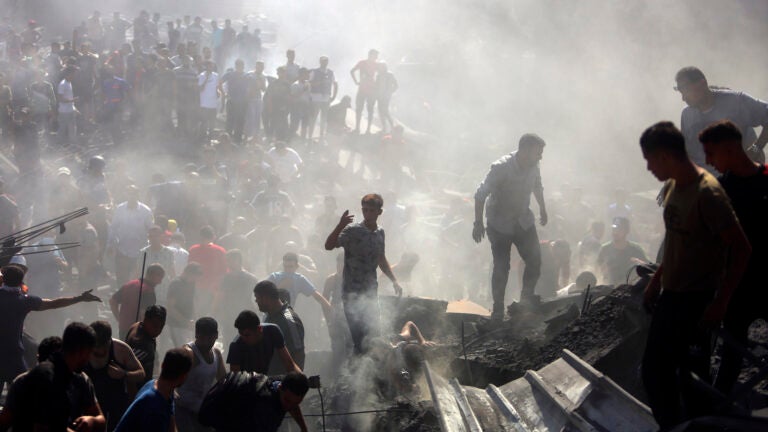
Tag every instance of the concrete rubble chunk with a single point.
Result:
(566, 394)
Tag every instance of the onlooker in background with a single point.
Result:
(124, 303)
(181, 303)
(210, 256)
(323, 89)
(619, 256)
(128, 234)
(158, 253)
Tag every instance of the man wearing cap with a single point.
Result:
(619, 256)
(706, 105)
(508, 187)
(15, 304)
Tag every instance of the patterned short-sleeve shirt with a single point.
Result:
(362, 250)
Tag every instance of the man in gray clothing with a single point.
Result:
(707, 105)
(509, 184)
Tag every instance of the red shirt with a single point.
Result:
(211, 259)
(128, 299)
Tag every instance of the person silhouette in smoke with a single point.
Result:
(366, 88)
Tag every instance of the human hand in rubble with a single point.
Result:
(346, 219)
(478, 232)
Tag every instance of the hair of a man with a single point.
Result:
(176, 363)
(373, 200)
(103, 332)
(247, 320)
(48, 346)
(155, 270)
(267, 289)
(206, 326)
(77, 337)
(13, 276)
(296, 383)
(722, 132)
(530, 140)
(690, 74)
(291, 257)
(155, 312)
(663, 136)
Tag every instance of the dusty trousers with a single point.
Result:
(677, 345)
(362, 312)
(527, 243)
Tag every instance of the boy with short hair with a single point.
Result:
(363, 244)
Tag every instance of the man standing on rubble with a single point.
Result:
(705, 255)
(363, 244)
(509, 184)
(746, 183)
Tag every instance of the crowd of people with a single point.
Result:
(182, 253)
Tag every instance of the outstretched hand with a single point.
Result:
(88, 297)
(346, 219)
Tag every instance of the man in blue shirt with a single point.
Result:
(153, 409)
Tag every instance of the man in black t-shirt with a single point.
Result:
(253, 349)
(55, 395)
(237, 99)
(181, 304)
(746, 184)
(142, 338)
(282, 315)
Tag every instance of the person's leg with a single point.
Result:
(527, 243)
(664, 352)
(353, 310)
(740, 315)
(370, 104)
(323, 118)
(238, 125)
(501, 246)
(359, 102)
(313, 112)
(384, 114)
(698, 356)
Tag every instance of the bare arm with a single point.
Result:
(411, 332)
(739, 251)
(335, 92)
(538, 193)
(134, 372)
(299, 417)
(62, 302)
(352, 73)
(287, 360)
(322, 301)
(221, 371)
(332, 242)
(114, 306)
(387, 270)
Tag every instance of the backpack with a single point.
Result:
(226, 402)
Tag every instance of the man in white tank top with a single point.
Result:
(207, 368)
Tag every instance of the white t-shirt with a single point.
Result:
(208, 96)
(285, 165)
(65, 92)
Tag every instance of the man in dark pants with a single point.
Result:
(746, 183)
(705, 254)
(509, 184)
(363, 244)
